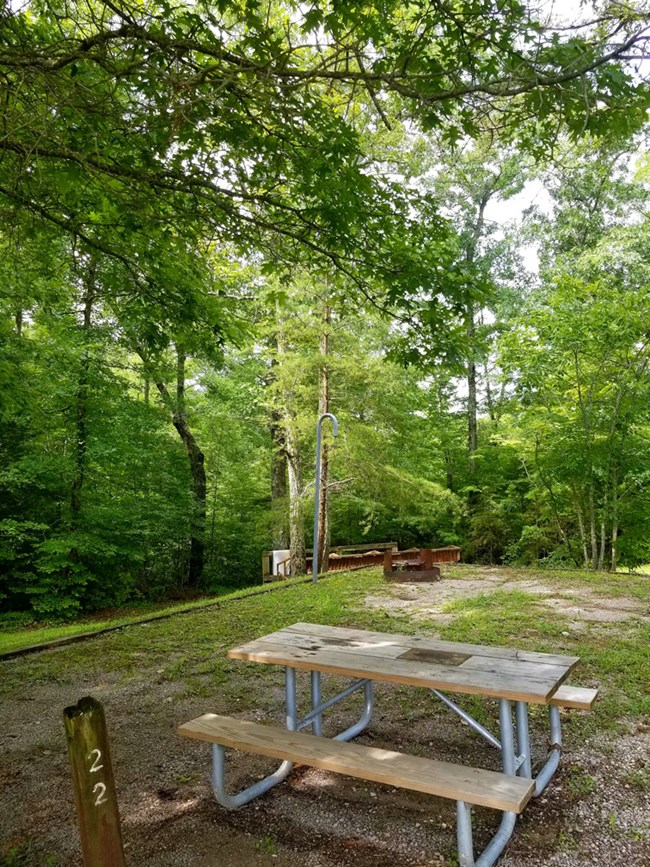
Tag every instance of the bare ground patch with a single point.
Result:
(431, 601)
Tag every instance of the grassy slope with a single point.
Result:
(191, 649)
(17, 638)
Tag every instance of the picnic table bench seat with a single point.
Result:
(443, 779)
(465, 785)
(577, 697)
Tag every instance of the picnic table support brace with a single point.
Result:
(471, 722)
(523, 761)
(317, 709)
(232, 802)
(464, 811)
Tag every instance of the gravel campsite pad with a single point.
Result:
(152, 677)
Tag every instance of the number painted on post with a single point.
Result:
(101, 797)
(95, 767)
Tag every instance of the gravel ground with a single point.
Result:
(595, 812)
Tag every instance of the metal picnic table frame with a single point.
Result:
(513, 742)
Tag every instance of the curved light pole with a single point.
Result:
(335, 431)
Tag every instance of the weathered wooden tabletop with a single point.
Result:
(497, 672)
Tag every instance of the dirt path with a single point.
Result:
(596, 812)
(580, 604)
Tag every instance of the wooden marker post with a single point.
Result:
(94, 786)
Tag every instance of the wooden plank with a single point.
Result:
(579, 697)
(397, 649)
(473, 785)
(398, 646)
(440, 657)
(434, 644)
(353, 664)
(316, 644)
(515, 668)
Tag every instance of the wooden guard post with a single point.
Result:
(94, 786)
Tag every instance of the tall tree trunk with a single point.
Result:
(196, 460)
(279, 530)
(488, 396)
(592, 527)
(146, 377)
(603, 539)
(81, 403)
(614, 560)
(323, 541)
(472, 410)
(296, 506)
(581, 526)
(294, 474)
(472, 420)
(18, 319)
(280, 536)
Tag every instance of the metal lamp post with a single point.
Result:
(335, 431)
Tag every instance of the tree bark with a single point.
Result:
(592, 527)
(472, 407)
(323, 541)
(196, 460)
(279, 534)
(472, 420)
(279, 530)
(603, 539)
(614, 560)
(489, 398)
(297, 556)
(581, 527)
(81, 403)
(296, 506)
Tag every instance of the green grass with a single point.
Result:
(190, 651)
(12, 639)
(641, 570)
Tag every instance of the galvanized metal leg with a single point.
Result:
(366, 716)
(525, 768)
(464, 834)
(495, 847)
(464, 812)
(552, 762)
(232, 802)
(317, 722)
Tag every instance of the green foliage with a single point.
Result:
(183, 196)
(488, 537)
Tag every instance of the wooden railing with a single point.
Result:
(373, 555)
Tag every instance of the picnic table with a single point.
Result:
(515, 678)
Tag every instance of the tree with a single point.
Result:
(581, 353)
(231, 121)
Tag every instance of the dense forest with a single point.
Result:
(221, 220)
